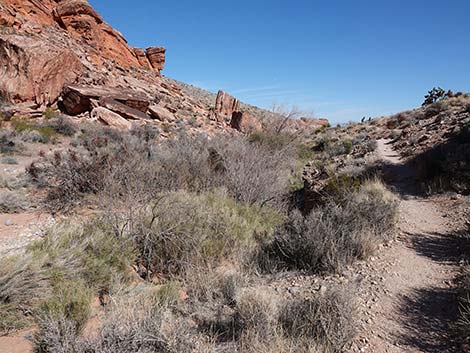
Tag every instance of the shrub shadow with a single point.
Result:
(427, 315)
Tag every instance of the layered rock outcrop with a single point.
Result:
(32, 70)
(245, 122)
(225, 106)
(46, 44)
(156, 57)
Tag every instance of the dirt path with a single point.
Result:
(416, 300)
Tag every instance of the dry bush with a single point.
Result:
(186, 228)
(136, 326)
(9, 142)
(62, 125)
(13, 202)
(9, 160)
(257, 311)
(57, 335)
(329, 319)
(134, 167)
(254, 173)
(334, 235)
(24, 282)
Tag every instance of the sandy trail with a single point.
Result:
(417, 300)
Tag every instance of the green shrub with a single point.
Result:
(46, 133)
(90, 251)
(71, 301)
(435, 95)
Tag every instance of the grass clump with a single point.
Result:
(24, 283)
(45, 134)
(89, 251)
(71, 301)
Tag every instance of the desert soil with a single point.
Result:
(414, 301)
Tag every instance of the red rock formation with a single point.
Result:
(83, 22)
(78, 99)
(225, 106)
(156, 56)
(91, 40)
(245, 122)
(35, 71)
(142, 57)
(110, 118)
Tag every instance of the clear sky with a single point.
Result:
(340, 59)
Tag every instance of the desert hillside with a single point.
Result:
(142, 214)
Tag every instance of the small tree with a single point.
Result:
(434, 95)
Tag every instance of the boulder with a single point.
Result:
(78, 99)
(122, 109)
(156, 56)
(110, 118)
(74, 8)
(245, 122)
(225, 106)
(32, 70)
(160, 113)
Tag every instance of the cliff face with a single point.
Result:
(62, 52)
(47, 44)
(79, 20)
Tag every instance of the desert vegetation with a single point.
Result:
(183, 241)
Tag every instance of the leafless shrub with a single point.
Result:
(13, 202)
(57, 335)
(335, 235)
(254, 173)
(329, 319)
(257, 310)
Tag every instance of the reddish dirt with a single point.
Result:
(16, 344)
(415, 301)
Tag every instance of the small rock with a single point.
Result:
(9, 222)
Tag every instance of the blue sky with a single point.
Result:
(340, 59)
